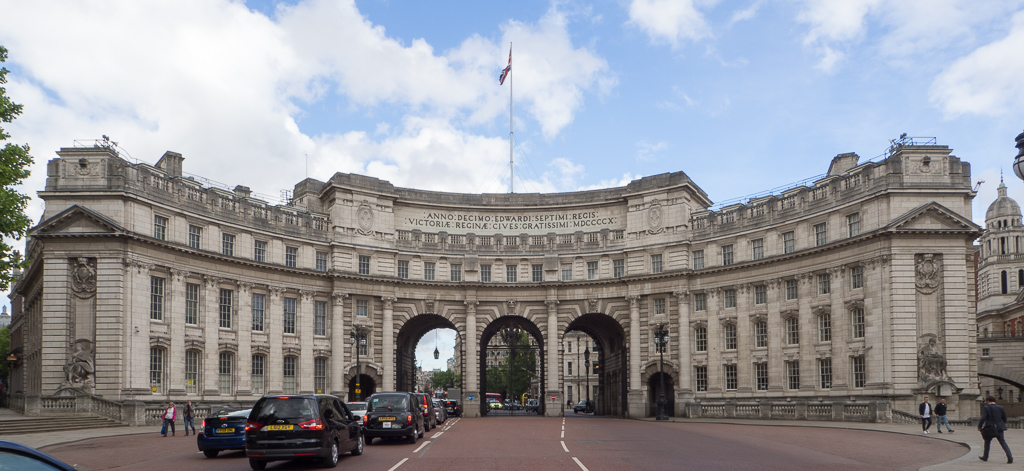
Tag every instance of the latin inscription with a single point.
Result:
(537, 223)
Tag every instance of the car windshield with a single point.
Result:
(391, 401)
(356, 406)
(289, 409)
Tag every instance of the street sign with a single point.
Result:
(552, 397)
(359, 391)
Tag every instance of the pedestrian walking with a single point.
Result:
(992, 425)
(940, 414)
(925, 409)
(170, 414)
(189, 422)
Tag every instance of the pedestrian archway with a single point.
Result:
(612, 362)
(512, 368)
(364, 388)
(405, 347)
(654, 383)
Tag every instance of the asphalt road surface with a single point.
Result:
(571, 443)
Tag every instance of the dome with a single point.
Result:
(1003, 206)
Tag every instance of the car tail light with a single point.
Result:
(408, 419)
(250, 425)
(366, 418)
(202, 424)
(314, 424)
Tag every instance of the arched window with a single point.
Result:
(156, 369)
(225, 366)
(193, 365)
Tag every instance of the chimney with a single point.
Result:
(171, 163)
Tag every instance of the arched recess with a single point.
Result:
(405, 347)
(368, 382)
(613, 358)
(512, 323)
(654, 374)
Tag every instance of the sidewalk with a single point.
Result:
(39, 440)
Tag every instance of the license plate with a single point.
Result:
(386, 425)
(225, 430)
(382, 419)
(279, 427)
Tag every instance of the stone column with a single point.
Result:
(553, 407)
(174, 315)
(243, 361)
(338, 342)
(636, 398)
(387, 332)
(304, 329)
(274, 316)
(682, 350)
(471, 385)
(211, 335)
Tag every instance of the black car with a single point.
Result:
(393, 414)
(301, 426)
(453, 408)
(429, 418)
(223, 430)
(583, 406)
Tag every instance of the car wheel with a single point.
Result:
(358, 450)
(211, 453)
(369, 440)
(331, 460)
(257, 464)
(412, 437)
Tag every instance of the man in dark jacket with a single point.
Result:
(992, 425)
(925, 410)
(189, 421)
(940, 413)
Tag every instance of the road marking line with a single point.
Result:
(563, 447)
(563, 434)
(584, 468)
(421, 446)
(438, 434)
(393, 468)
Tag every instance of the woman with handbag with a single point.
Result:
(170, 413)
(992, 425)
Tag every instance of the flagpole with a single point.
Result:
(511, 162)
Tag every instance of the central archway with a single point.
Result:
(612, 361)
(405, 348)
(512, 347)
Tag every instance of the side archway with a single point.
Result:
(405, 347)
(612, 361)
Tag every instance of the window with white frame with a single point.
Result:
(225, 305)
(792, 289)
(659, 306)
(825, 373)
(225, 364)
(860, 375)
(591, 270)
(760, 334)
(820, 234)
(618, 268)
(319, 317)
(730, 298)
(857, 277)
(788, 242)
(485, 273)
(700, 301)
(288, 320)
(455, 272)
(291, 256)
(321, 261)
(853, 224)
(288, 371)
(160, 227)
(730, 336)
(364, 265)
(193, 365)
(731, 379)
(566, 272)
(320, 375)
(761, 376)
(195, 236)
(227, 244)
(824, 283)
(537, 272)
(362, 308)
(760, 294)
(700, 339)
(757, 249)
(727, 256)
(700, 375)
(156, 369)
(256, 377)
(403, 269)
(510, 274)
(857, 324)
(793, 374)
(698, 259)
(428, 271)
(258, 311)
(260, 251)
(825, 327)
(191, 303)
(792, 331)
(156, 298)
(656, 263)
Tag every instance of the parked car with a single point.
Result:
(583, 406)
(429, 420)
(391, 415)
(358, 408)
(439, 411)
(532, 405)
(301, 426)
(18, 456)
(222, 430)
(453, 408)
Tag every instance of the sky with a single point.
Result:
(743, 96)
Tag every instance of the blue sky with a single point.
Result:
(743, 96)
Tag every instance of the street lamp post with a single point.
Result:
(358, 339)
(578, 364)
(1018, 163)
(660, 341)
(586, 364)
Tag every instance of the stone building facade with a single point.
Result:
(147, 284)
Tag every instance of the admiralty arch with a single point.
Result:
(848, 296)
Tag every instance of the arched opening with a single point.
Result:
(654, 383)
(407, 365)
(512, 368)
(367, 386)
(612, 362)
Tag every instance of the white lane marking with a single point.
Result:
(563, 434)
(438, 434)
(393, 468)
(421, 446)
(584, 468)
(563, 447)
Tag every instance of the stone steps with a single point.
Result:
(53, 424)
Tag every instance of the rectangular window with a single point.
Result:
(793, 374)
(258, 312)
(760, 294)
(727, 258)
(659, 306)
(288, 323)
(403, 269)
(288, 371)
(364, 348)
(156, 298)
(700, 302)
(825, 372)
(224, 309)
(319, 317)
(260, 251)
(568, 368)
(792, 289)
(761, 376)
(757, 249)
(364, 265)
(857, 323)
(428, 271)
(656, 263)
(730, 298)
(825, 327)
(792, 331)
(291, 256)
(860, 375)
(853, 223)
(485, 273)
(730, 336)
(591, 270)
(160, 227)
(700, 339)
(761, 334)
(224, 366)
(856, 277)
(618, 268)
(195, 236)
(820, 234)
(191, 303)
(321, 262)
(700, 374)
(320, 375)
(362, 308)
(698, 259)
(156, 369)
(824, 283)
(788, 242)
(193, 360)
(566, 272)
(537, 272)
(510, 274)
(227, 244)
(258, 366)
(731, 381)
(455, 272)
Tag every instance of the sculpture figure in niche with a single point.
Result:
(931, 363)
(79, 369)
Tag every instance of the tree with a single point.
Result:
(441, 379)
(511, 377)
(14, 163)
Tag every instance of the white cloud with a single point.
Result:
(670, 21)
(747, 13)
(648, 151)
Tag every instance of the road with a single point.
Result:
(571, 443)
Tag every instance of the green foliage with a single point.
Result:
(14, 163)
(513, 380)
(5, 348)
(441, 379)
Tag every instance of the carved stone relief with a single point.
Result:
(83, 277)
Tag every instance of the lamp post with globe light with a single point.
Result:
(661, 341)
(358, 339)
(1018, 163)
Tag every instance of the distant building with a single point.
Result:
(5, 318)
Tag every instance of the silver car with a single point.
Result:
(440, 413)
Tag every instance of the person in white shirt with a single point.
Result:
(925, 409)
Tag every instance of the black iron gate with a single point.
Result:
(512, 379)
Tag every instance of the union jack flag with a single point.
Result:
(507, 70)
